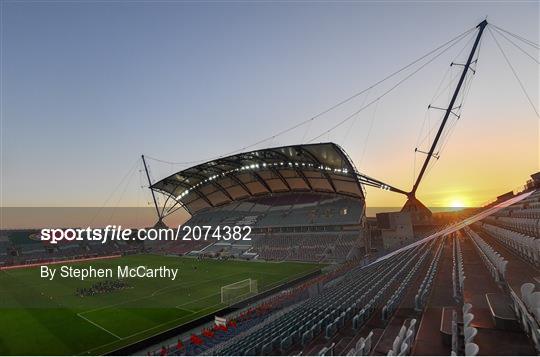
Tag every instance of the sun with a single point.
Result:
(457, 203)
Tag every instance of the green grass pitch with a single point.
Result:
(45, 317)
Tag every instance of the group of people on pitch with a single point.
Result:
(102, 287)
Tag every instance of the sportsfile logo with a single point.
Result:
(109, 233)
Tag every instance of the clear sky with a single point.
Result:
(89, 86)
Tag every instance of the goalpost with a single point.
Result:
(238, 291)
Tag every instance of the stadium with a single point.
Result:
(305, 283)
(302, 202)
(278, 256)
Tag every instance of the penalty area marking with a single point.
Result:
(170, 321)
(189, 285)
(192, 301)
(99, 326)
(191, 312)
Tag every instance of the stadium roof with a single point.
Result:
(321, 167)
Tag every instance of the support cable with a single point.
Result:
(382, 95)
(348, 131)
(521, 38)
(368, 133)
(451, 42)
(515, 74)
(517, 46)
(128, 175)
(436, 95)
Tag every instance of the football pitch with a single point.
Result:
(39, 317)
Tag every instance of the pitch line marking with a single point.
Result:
(199, 299)
(191, 312)
(148, 329)
(99, 326)
(167, 322)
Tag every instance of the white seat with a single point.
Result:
(408, 337)
(404, 350)
(467, 319)
(360, 344)
(469, 333)
(471, 349)
(402, 331)
(367, 348)
(360, 349)
(526, 292)
(535, 305)
(412, 326)
(396, 344)
(535, 299)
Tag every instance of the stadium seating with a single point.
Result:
(527, 309)
(296, 227)
(351, 309)
(363, 346)
(425, 286)
(492, 259)
(355, 297)
(458, 272)
(288, 210)
(314, 247)
(528, 226)
(179, 247)
(404, 339)
(526, 246)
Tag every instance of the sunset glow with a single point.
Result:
(459, 202)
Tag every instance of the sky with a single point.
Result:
(87, 87)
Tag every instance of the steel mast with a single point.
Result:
(160, 221)
(413, 204)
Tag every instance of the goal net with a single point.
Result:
(238, 291)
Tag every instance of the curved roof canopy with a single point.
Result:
(321, 167)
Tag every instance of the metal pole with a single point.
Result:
(480, 27)
(150, 187)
